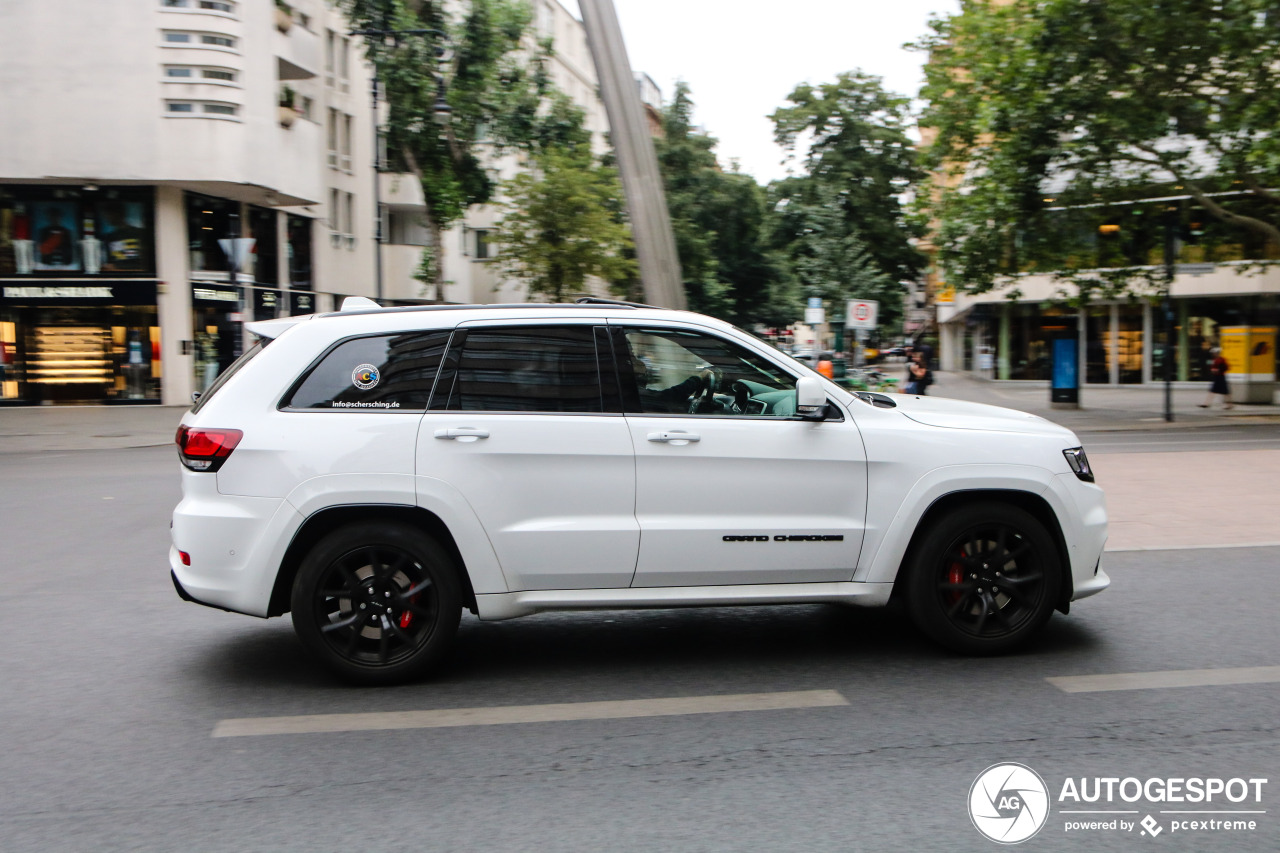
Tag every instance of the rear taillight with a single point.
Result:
(206, 449)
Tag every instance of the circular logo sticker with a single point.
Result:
(365, 376)
(1008, 803)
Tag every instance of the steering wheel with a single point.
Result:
(704, 401)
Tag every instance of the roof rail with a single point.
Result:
(600, 300)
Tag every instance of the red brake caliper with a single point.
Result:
(406, 618)
(955, 574)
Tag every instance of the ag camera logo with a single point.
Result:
(365, 376)
(1008, 803)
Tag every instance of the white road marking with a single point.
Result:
(1168, 678)
(1195, 547)
(509, 714)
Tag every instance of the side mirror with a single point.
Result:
(811, 398)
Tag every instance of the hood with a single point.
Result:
(958, 414)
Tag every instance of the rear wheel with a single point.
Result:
(984, 578)
(377, 603)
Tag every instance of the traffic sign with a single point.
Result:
(814, 316)
(1195, 269)
(861, 314)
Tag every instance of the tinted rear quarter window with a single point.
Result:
(375, 373)
(232, 370)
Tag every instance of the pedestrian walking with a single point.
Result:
(1218, 381)
(919, 376)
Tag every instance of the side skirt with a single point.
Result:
(509, 605)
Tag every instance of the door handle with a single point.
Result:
(675, 435)
(464, 433)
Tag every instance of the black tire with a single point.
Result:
(377, 603)
(983, 579)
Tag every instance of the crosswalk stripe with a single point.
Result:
(1167, 678)
(510, 714)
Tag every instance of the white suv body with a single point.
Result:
(538, 459)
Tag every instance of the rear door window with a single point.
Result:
(375, 373)
(528, 369)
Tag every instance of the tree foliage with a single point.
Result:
(1066, 103)
(720, 224)
(843, 223)
(499, 93)
(562, 224)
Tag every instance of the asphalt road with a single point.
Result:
(113, 688)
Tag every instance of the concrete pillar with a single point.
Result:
(637, 162)
(1002, 352)
(948, 346)
(1082, 352)
(172, 259)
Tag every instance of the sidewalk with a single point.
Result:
(31, 429)
(1103, 409)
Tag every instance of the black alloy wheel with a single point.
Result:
(377, 603)
(984, 579)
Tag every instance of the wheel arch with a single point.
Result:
(1029, 501)
(331, 518)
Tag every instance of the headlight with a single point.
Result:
(1079, 463)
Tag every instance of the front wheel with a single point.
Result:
(377, 603)
(984, 579)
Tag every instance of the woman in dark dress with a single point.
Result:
(1218, 381)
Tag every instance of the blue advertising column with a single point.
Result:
(1064, 377)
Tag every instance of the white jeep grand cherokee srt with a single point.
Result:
(375, 470)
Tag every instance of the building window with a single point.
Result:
(218, 41)
(484, 249)
(179, 72)
(175, 4)
(181, 107)
(208, 221)
(71, 231)
(349, 208)
(330, 40)
(298, 245)
(344, 54)
(221, 109)
(217, 6)
(218, 74)
(333, 138)
(308, 108)
(177, 38)
(334, 224)
(346, 143)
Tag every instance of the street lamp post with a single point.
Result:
(441, 109)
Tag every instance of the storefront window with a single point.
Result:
(1129, 344)
(208, 221)
(262, 228)
(298, 229)
(72, 231)
(1097, 347)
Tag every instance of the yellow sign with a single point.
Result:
(945, 294)
(1250, 351)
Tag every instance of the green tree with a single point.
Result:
(1062, 104)
(861, 158)
(562, 224)
(721, 227)
(842, 223)
(498, 92)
